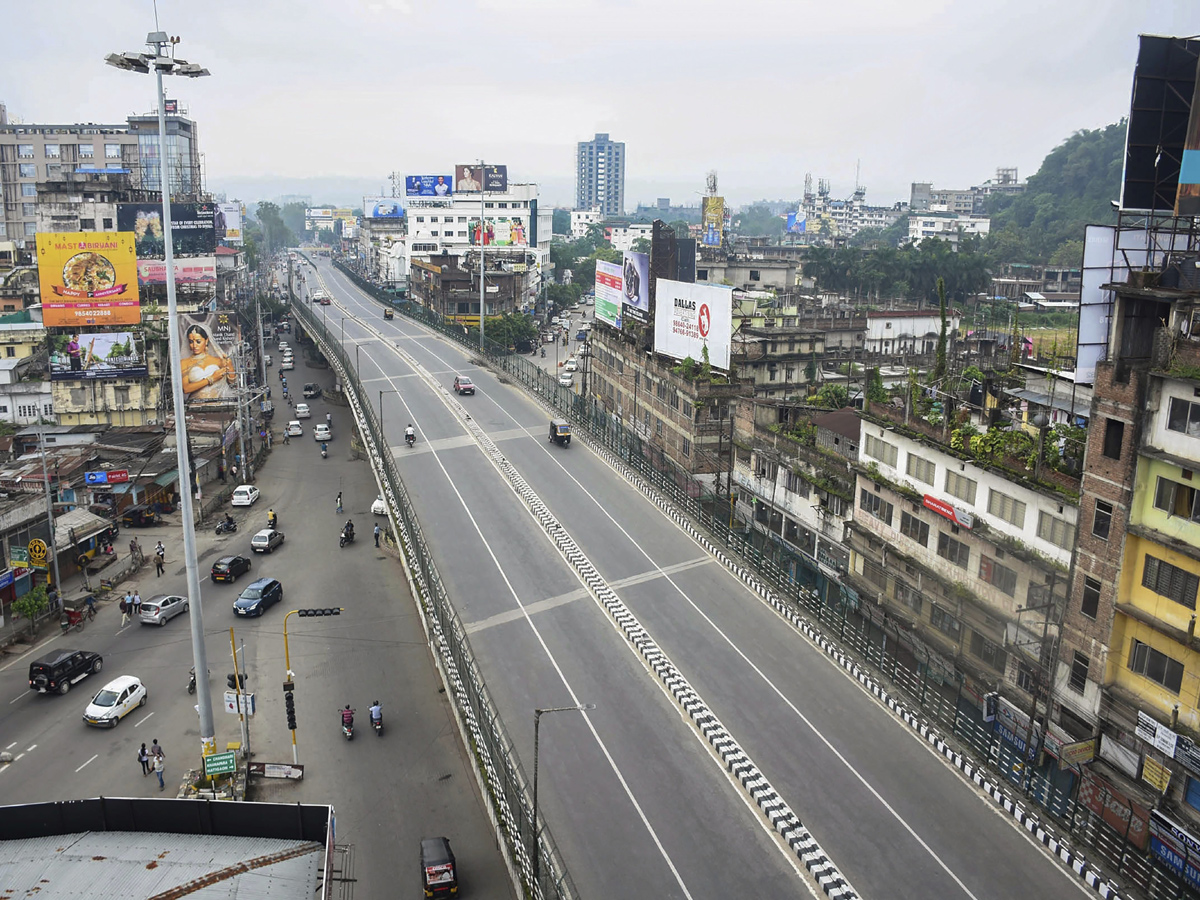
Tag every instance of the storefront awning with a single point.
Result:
(75, 527)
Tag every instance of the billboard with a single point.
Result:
(690, 317)
(321, 212)
(382, 208)
(227, 222)
(712, 219)
(608, 293)
(91, 355)
(207, 341)
(635, 287)
(192, 228)
(472, 179)
(188, 270)
(500, 231)
(428, 185)
(88, 278)
(1187, 197)
(797, 222)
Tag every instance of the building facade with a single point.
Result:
(600, 175)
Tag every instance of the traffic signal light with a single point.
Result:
(290, 702)
(232, 680)
(331, 611)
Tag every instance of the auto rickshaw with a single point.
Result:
(439, 876)
(560, 432)
(388, 312)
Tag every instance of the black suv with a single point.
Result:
(311, 389)
(59, 669)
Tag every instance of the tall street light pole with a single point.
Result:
(162, 60)
(537, 723)
(482, 243)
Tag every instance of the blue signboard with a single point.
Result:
(95, 477)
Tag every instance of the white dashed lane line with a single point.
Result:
(88, 762)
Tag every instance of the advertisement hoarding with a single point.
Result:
(712, 219)
(318, 212)
(208, 373)
(88, 278)
(690, 317)
(608, 293)
(228, 222)
(192, 228)
(428, 185)
(635, 287)
(382, 208)
(797, 222)
(93, 355)
(501, 231)
(188, 270)
(471, 179)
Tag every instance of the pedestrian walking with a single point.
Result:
(378, 531)
(233, 472)
(158, 770)
(160, 551)
(144, 759)
(156, 749)
(137, 602)
(159, 565)
(339, 505)
(133, 548)
(124, 605)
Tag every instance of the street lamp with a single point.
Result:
(162, 61)
(537, 722)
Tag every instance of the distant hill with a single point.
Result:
(1074, 187)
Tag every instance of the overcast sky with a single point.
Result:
(762, 91)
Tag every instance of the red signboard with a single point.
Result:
(959, 517)
(118, 476)
(1125, 817)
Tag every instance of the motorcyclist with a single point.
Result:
(348, 717)
(324, 448)
(272, 519)
(376, 712)
(409, 434)
(329, 419)
(348, 530)
(228, 520)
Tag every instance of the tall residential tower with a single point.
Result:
(600, 174)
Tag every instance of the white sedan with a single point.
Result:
(294, 429)
(379, 507)
(244, 495)
(322, 432)
(302, 411)
(571, 365)
(116, 700)
(566, 379)
(286, 365)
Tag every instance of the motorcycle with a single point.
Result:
(377, 724)
(273, 521)
(410, 438)
(192, 681)
(346, 537)
(227, 527)
(324, 452)
(348, 729)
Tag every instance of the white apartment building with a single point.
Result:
(946, 226)
(903, 332)
(582, 218)
(622, 237)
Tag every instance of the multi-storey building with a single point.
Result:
(581, 219)
(909, 332)
(946, 226)
(828, 217)
(600, 175)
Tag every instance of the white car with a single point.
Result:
(566, 379)
(244, 495)
(294, 429)
(379, 507)
(116, 700)
(283, 346)
(322, 432)
(571, 365)
(302, 411)
(267, 358)
(286, 364)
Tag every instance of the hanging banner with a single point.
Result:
(88, 278)
(635, 287)
(208, 373)
(228, 222)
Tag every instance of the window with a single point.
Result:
(1091, 597)
(1176, 499)
(87, 151)
(29, 209)
(1114, 434)
(1102, 520)
(30, 229)
(686, 447)
(27, 170)
(1055, 530)
(944, 622)
(112, 151)
(909, 596)
(1145, 660)
(955, 551)
(87, 224)
(961, 486)
(914, 528)
(997, 575)
(29, 190)
(108, 224)
(1079, 672)
(52, 151)
(1170, 581)
(24, 151)
(921, 469)
(1184, 417)
(876, 506)
(1008, 508)
(755, 275)
(121, 395)
(10, 351)
(989, 652)
(881, 450)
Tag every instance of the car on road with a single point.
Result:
(286, 364)
(294, 429)
(257, 596)
(322, 432)
(55, 672)
(566, 379)
(244, 495)
(139, 517)
(311, 389)
(283, 347)
(267, 359)
(583, 351)
(161, 608)
(266, 541)
(571, 365)
(302, 411)
(379, 507)
(325, 301)
(115, 700)
(228, 568)
(463, 385)
(581, 335)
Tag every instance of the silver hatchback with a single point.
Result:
(160, 609)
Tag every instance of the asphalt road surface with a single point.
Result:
(388, 792)
(632, 794)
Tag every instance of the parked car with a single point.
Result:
(566, 379)
(140, 516)
(322, 432)
(161, 608)
(266, 541)
(228, 568)
(571, 365)
(463, 385)
(379, 507)
(55, 672)
(115, 700)
(302, 411)
(257, 596)
(244, 495)
(294, 429)
(311, 389)
(267, 359)
(268, 409)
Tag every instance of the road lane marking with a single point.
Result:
(142, 719)
(90, 760)
(31, 749)
(18, 756)
(14, 700)
(10, 746)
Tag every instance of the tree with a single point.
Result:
(758, 220)
(641, 245)
(293, 217)
(562, 221)
(832, 396)
(876, 392)
(32, 604)
(1069, 253)
(939, 366)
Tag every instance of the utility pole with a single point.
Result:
(482, 242)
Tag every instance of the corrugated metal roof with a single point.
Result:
(124, 865)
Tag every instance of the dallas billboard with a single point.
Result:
(691, 317)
